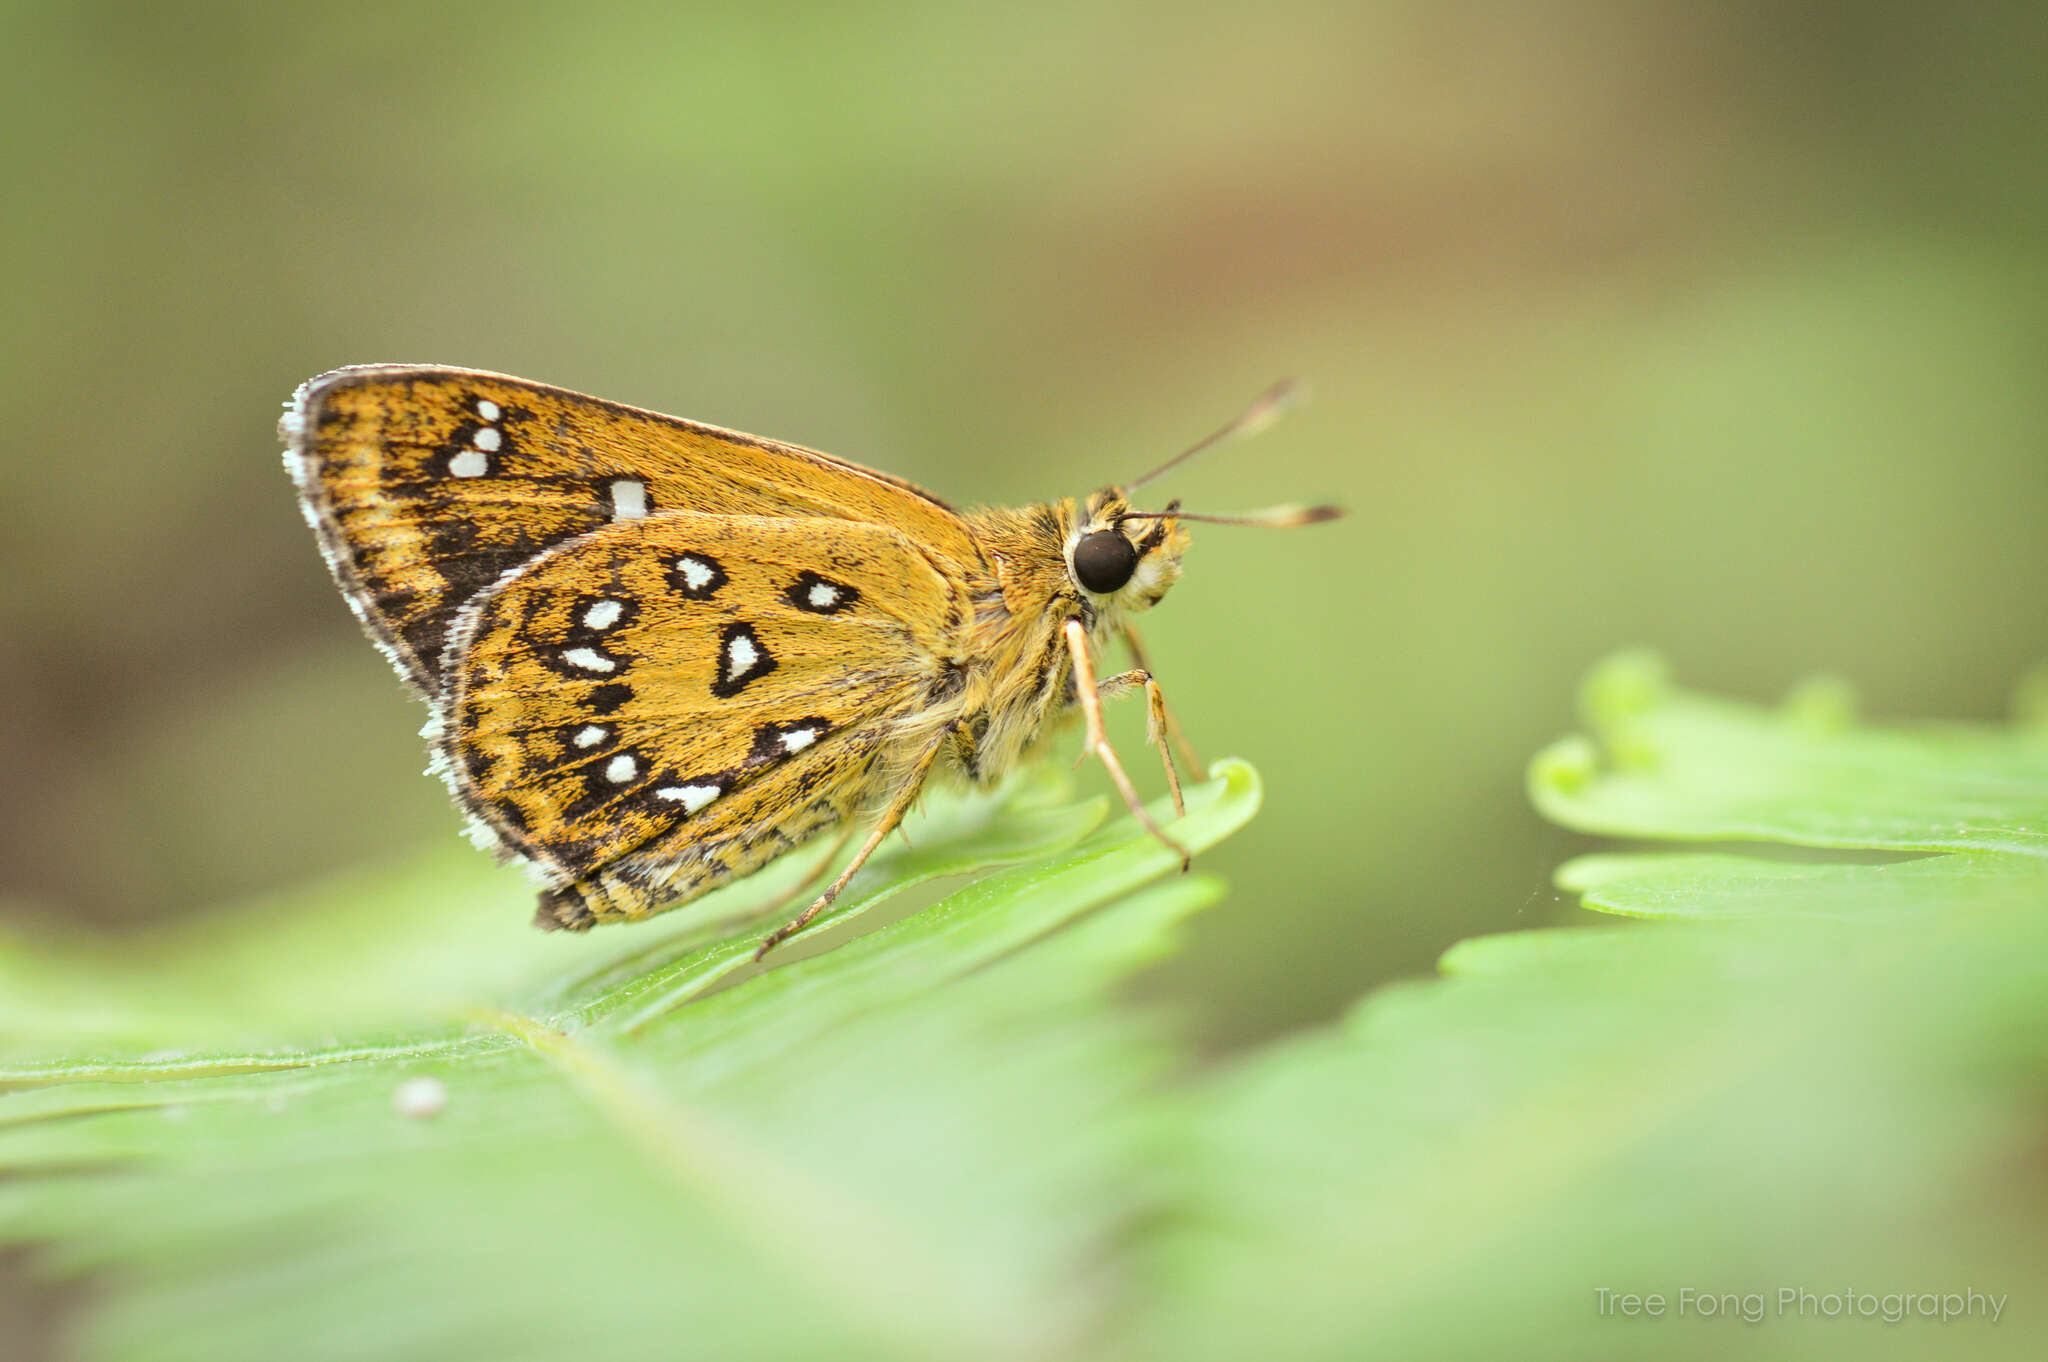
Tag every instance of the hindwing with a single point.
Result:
(662, 703)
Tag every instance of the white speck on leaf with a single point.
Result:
(419, 1098)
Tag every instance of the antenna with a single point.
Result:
(1268, 407)
(1273, 517)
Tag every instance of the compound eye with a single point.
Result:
(1104, 561)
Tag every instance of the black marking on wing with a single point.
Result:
(513, 815)
(629, 610)
(770, 745)
(648, 796)
(801, 591)
(475, 759)
(599, 786)
(583, 661)
(571, 740)
(681, 581)
(608, 698)
(463, 441)
(732, 680)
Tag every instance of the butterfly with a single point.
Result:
(658, 654)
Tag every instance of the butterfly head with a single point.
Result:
(1122, 561)
(1126, 559)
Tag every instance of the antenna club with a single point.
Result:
(1272, 518)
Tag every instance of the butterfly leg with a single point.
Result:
(1155, 722)
(1173, 728)
(899, 805)
(1098, 741)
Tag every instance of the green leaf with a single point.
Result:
(1722, 888)
(907, 1146)
(1663, 763)
(946, 1136)
(1804, 1076)
(384, 953)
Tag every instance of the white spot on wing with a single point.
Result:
(741, 655)
(797, 739)
(603, 614)
(629, 501)
(696, 572)
(486, 439)
(590, 735)
(691, 797)
(590, 659)
(824, 595)
(621, 768)
(470, 463)
(487, 409)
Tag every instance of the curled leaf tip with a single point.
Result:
(1564, 769)
(1624, 686)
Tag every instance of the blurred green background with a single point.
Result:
(1719, 330)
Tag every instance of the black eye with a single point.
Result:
(1104, 561)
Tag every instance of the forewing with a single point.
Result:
(664, 703)
(426, 484)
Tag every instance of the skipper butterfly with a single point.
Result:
(659, 654)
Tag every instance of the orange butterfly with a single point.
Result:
(659, 654)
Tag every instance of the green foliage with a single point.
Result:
(1816, 1075)
(923, 1143)
(948, 1138)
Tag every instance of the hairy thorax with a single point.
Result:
(1013, 677)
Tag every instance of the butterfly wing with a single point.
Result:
(659, 705)
(426, 484)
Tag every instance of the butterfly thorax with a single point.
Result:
(1017, 684)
